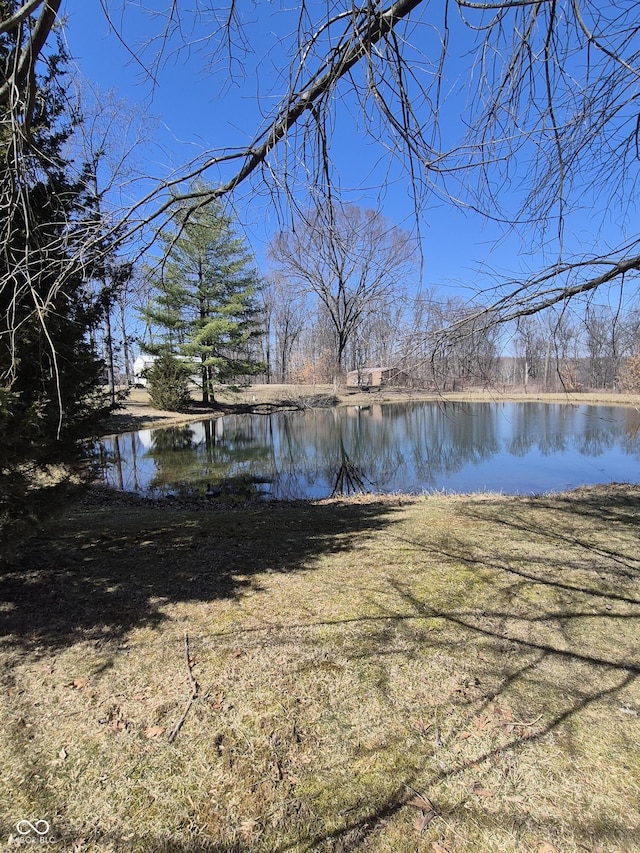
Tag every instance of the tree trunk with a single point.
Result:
(126, 349)
(204, 377)
(110, 369)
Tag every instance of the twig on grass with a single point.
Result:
(194, 691)
(524, 724)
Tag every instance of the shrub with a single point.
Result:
(169, 384)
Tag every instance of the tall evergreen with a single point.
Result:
(205, 307)
(49, 371)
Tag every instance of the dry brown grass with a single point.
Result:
(480, 653)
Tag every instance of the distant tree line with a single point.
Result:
(551, 351)
(342, 295)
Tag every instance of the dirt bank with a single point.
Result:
(137, 412)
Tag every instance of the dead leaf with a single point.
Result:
(423, 820)
(438, 848)
(480, 722)
(78, 683)
(421, 803)
(153, 731)
(547, 848)
(505, 714)
(236, 654)
(480, 791)
(427, 812)
(464, 735)
(218, 703)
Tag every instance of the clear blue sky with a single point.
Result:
(199, 108)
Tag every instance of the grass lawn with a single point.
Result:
(447, 673)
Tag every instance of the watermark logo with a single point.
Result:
(32, 832)
(25, 827)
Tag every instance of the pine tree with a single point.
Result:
(206, 299)
(49, 371)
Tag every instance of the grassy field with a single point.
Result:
(438, 674)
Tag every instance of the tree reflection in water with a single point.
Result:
(348, 479)
(413, 447)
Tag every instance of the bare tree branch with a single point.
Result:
(28, 54)
(542, 292)
(13, 21)
(553, 96)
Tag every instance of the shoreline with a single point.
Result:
(137, 413)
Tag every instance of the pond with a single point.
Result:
(525, 448)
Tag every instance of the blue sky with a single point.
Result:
(199, 107)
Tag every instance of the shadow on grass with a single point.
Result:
(468, 809)
(100, 572)
(511, 648)
(518, 642)
(134, 843)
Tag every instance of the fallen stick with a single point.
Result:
(194, 691)
(524, 724)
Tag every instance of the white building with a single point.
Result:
(143, 363)
(140, 367)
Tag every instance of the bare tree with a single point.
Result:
(351, 260)
(553, 91)
(109, 138)
(563, 331)
(286, 316)
(378, 338)
(611, 336)
(531, 347)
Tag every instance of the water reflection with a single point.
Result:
(414, 447)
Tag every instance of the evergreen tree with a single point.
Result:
(206, 299)
(49, 371)
(168, 383)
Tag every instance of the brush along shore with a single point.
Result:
(446, 673)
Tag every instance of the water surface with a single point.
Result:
(383, 448)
